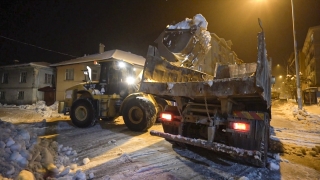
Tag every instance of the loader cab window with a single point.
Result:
(116, 77)
(115, 71)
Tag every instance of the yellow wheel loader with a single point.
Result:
(115, 94)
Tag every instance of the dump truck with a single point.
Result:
(228, 111)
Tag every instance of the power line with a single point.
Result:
(38, 46)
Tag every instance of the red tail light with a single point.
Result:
(241, 126)
(166, 116)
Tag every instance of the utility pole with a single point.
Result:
(296, 60)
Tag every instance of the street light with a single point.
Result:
(296, 60)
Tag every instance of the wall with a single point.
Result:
(63, 84)
(35, 79)
(311, 50)
(316, 46)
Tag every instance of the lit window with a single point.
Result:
(21, 95)
(4, 78)
(23, 77)
(69, 74)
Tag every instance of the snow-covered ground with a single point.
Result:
(37, 141)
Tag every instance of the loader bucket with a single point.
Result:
(185, 46)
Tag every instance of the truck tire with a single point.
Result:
(82, 113)
(139, 114)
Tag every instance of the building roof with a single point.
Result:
(116, 54)
(39, 64)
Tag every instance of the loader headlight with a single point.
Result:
(130, 80)
(121, 65)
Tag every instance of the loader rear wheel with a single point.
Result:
(139, 114)
(82, 113)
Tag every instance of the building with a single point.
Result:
(309, 66)
(19, 83)
(71, 72)
(291, 66)
(311, 50)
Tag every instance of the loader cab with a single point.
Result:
(117, 77)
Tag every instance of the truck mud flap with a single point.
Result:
(218, 147)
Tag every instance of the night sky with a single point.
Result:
(77, 27)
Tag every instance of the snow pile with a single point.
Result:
(44, 158)
(8, 106)
(41, 108)
(305, 115)
(274, 166)
(197, 20)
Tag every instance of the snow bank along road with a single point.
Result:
(118, 153)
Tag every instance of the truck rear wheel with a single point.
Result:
(139, 114)
(82, 113)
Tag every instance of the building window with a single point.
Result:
(23, 77)
(48, 78)
(2, 95)
(21, 95)
(4, 78)
(69, 74)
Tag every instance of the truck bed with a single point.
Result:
(252, 85)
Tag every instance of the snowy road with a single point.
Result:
(118, 153)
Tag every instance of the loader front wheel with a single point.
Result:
(82, 113)
(139, 114)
